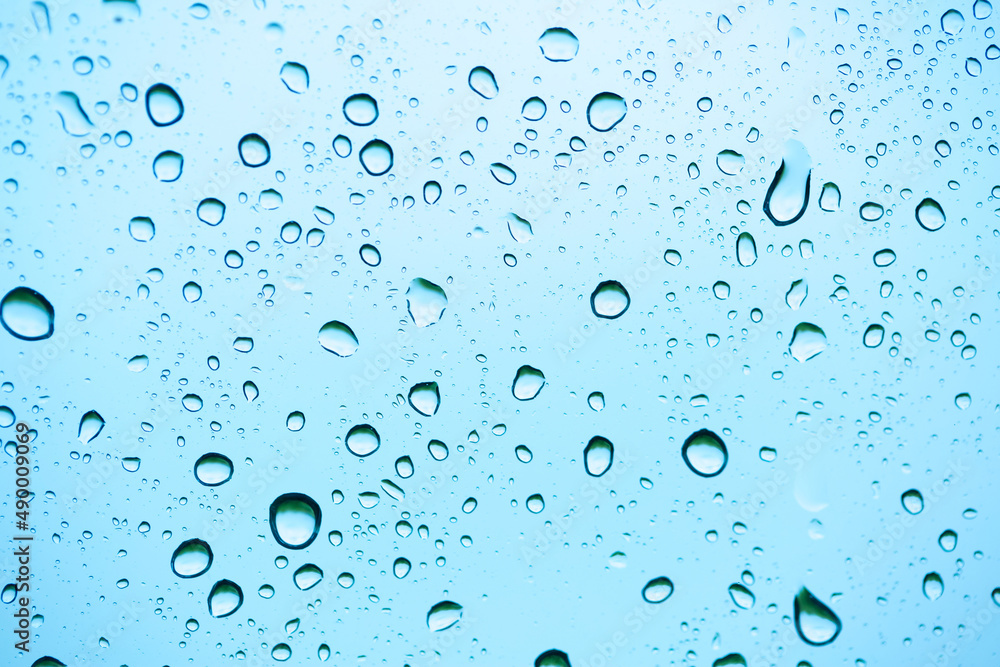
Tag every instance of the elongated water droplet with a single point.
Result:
(746, 249)
(741, 595)
(796, 294)
(519, 228)
(816, 623)
(213, 469)
(558, 45)
(503, 173)
(425, 397)
(438, 450)
(705, 453)
(404, 467)
(528, 381)
(930, 215)
(295, 520)
(338, 338)
(432, 192)
(425, 302)
(482, 81)
(362, 440)
(250, 391)
(91, 425)
(191, 558)
(75, 121)
(874, 335)
(808, 340)
(27, 315)
(163, 105)
(598, 456)
(829, 197)
(605, 111)
(884, 257)
(224, 599)
(657, 590)
(552, 658)
(443, 615)
(933, 586)
(788, 195)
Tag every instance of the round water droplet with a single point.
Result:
(307, 576)
(376, 157)
(598, 456)
(535, 503)
(211, 211)
(295, 76)
(482, 81)
(370, 255)
(295, 421)
(930, 215)
(361, 109)
(168, 166)
(404, 467)
(192, 402)
(362, 440)
(341, 146)
(425, 397)
(503, 173)
(528, 381)
(438, 450)
(523, 454)
(224, 599)
(552, 658)
(191, 558)
(948, 540)
(558, 45)
(141, 229)
(609, 300)
(788, 195)
(163, 105)
(425, 302)
(401, 567)
(933, 586)
(281, 652)
(605, 111)
(338, 338)
(913, 501)
(746, 249)
(295, 520)
(213, 469)
(533, 109)
(443, 615)
(952, 22)
(26, 314)
(870, 211)
(721, 290)
(672, 257)
(963, 401)
(254, 150)
(191, 291)
(808, 340)
(816, 623)
(432, 192)
(657, 590)
(705, 104)
(884, 257)
(730, 162)
(705, 453)
(874, 335)
(596, 401)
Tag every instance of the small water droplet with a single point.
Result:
(874, 335)
(948, 540)
(535, 503)
(596, 401)
(741, 595)
(502, 173)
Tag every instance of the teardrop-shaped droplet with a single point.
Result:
(254, 150)
(295, 76)
(816, 623)
(788, 195)
(191, 558)
(361, 109)
(930, 215)
(933, 586)
(558, 45)
(27, 315)
(295, 520)
(163, 105)
(338, 338)
(307, 576)
(432, 192)
(657, 590)
(443, 615)
(250, 391)
(528, 381)
(746, 249)
(425, 302)
(225, 598)
(213, 469)
(503, 173)
(91, 425)
(598, 456)
(808, 340)
(425, 397)
(913, 501)
(362, 440)
(609, 300)
(401, 567)
(705, 453)
(376, 157)
(596, 401)
(605, 111)
(482, 81)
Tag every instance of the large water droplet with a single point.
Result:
(163, 105)
(211, 211)
(519, 228)
(224, 599)
(91, 425)
(307, 576)
(913, 501)
(884, 257)
(26, 314)
(295, 76)
(361, 109)
(657, 590)
(535, 503)
(376, 157)
(191, 559)
(788, 195)
(598, 456)
(741, 595)
(533, 109)
(295, 519)
(425, 302)
(191, 291)
(952, 22)
(75, 121)
(425, 397)
(338, 338)
(558, 45)
(874, 335)
(796, 294)
(362, 440)
(528, 381)
(605, 111)
(370, 255)
(816, 623)
(142, 229)
(730, 162)
(254, 150)
(483, 82)
(401, 567)
(705, 453)
(930, 215)
(552, 658)
(808, 340)
(443, 615)
(168, 166)
(746, 249)
(213, 469)
(609, 300)
(948, 540)
(503, 173)
(933, 586)
(829, 197)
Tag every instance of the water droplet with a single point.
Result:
(884, 257)
(295, 519)
(163, 105)
(307, 576)
(191, 558)
(91, 425)
(213, 469)
(596, 401)
(338, 338)
(657, 590)
(605, 111)
(874, 335)
(362, 440)
(796, 294)
(376, 157)
(552, 658)
(192, 402)
(741, 595)
(534, 503)
(131, 463)
(870, 211)
(443, 615)
(533, 109)
(361, 109)
(404, 467)
(704, 104)
(438, 450)
(224, 599)
(341, 146)
(523, 454)
(503, 173)
(982, 9)
(425, 397)
(75, 121)
(558, 45)
(528, 381)
(721, 290)
(930, 215)
(295, 76)
(345, 579)
(913, 501)
(281, 652)
(948, 540)
(26, 314)
(598, 456)
(168, 166)
(432, 192)
(730, 162)
(323, 653)
(808, 340)
(191, 291)
(746, 249)
(401, 567)
(732, 660)
(482, 81)
(672, 257)
(609, 300)
(519, 228)
(295, 421)
(138, 363)
(425, 302)
(963, 401)
(211, 211)
(952, 22)
(788, 195)
(829, 197)
(370, 255)
(933, 586)
(705, 453)
(47, 661)
(254, 150)
(816, 623)
(141, 229)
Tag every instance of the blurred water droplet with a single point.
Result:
(816, 623)
(933, 586)
(552, 658)
(746, 249)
